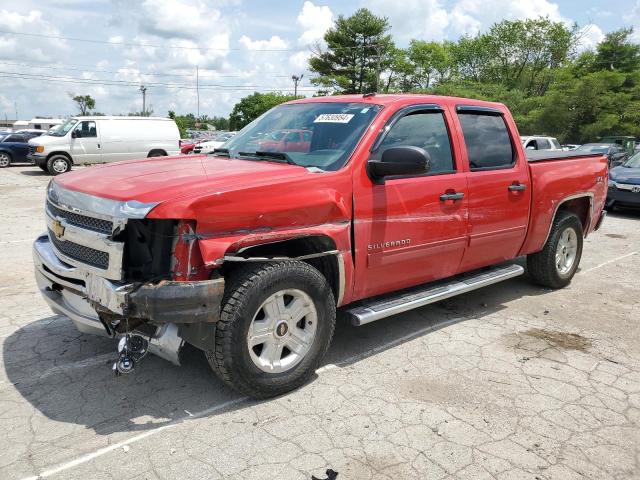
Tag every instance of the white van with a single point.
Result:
(88, 140)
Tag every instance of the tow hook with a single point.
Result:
(131, 349)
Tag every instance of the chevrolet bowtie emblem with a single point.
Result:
(58, 229)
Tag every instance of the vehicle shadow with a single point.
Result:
(67, 375)
(621, 212)
(36, 172)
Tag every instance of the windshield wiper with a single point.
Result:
(221, 152)
(279, 157)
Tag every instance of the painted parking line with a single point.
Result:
(613, 260)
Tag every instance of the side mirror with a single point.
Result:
(75, 134)
(404, 160)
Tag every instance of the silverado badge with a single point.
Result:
(58, 229)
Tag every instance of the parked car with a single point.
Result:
(30, 133)
(628, 143)
(89, 140)
(624, 184)
(615, 153)
(13, 149)
(186, 146)
(570, 146)
(540, 143)
(207, 147)
(246, 255)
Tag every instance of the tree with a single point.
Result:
(616, 52)
(251, 107)
(85, 103)
(358, 50)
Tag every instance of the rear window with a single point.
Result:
(488, 142)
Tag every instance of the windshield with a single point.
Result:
(64, 128)
(594, 148)
(321, 135)
(633, 162)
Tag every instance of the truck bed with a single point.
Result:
(560, 176)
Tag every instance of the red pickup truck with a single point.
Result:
(398, 201)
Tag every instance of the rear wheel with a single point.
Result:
(5, 159)
(556, 264)
(157, 153)
(276, 325)
(58, 164)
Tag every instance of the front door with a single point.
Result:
(499, 186)
(411, 230)
(85, 143)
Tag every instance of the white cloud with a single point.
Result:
(421, 19)
(315, 20)
(274, 43)
(468, 17)
(26, 48)
(590, 35)
(633, 18)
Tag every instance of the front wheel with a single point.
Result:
(276, 325)
(5, 160)
(556, 264)
(58, 164)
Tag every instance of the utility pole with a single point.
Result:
(143, 89)
(296, 80)
(15, 104)
(198, 92)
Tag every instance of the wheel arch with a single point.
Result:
(63, 153)
(157, 150)
(318, 250)
(580, 205)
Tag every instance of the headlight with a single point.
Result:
(40, 148)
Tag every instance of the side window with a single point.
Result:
(16, 139)
(556, 144)
(532, 145)
(543, 144)
(87, 129)
(426, 130)
(488, 142)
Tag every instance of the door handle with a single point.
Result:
(517, 187)
(98, 145)
(451, 196)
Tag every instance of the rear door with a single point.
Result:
(411, 229)
(85, 147)
(499, 187)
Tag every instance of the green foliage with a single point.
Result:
(529, 65)
(254, 105)
(85, 103)
(358, 50)
(617, 52)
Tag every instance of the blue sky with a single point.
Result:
(238, 45)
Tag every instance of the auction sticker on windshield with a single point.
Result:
(333, 118)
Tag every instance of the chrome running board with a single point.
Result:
(376, 309)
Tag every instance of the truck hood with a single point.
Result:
(165, 178)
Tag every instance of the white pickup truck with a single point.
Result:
(540, 143)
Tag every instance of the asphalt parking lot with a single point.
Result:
(512, 381)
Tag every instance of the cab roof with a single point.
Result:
(399, 99)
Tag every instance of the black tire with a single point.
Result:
(157, 153)
(246, 291)
(5, 159)
(542, 267)
(54, 164)
(43, 168)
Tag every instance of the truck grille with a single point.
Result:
(32, 149)
(83, 254)
(90, 223)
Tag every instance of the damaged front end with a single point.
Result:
(114, 272)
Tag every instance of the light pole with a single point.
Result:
(296, 79)
(143, 89)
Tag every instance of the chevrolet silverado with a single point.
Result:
(389, 203)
